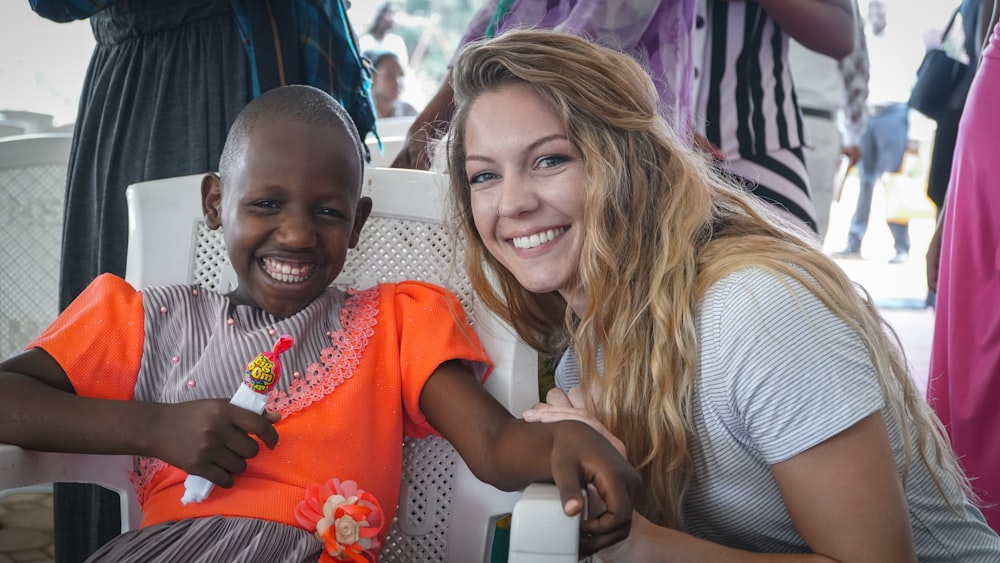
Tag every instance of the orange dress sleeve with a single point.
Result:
(98, 339)
(431, 329)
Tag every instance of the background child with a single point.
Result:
(150, 372)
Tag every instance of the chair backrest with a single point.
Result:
(391, 126)
(33, 185)
(445, 514)
(391, 145)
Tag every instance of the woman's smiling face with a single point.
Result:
(527, 188)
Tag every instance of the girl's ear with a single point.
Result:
(211, 200)
(361, 214)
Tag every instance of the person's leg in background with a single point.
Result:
(867, 175)
(892, 137)
(901, 235)
(822, 158)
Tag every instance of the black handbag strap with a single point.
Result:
(951, 22)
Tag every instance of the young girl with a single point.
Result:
(738, 368)
(150, 373)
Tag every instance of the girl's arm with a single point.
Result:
(39, 410)
(825, 26)
(510, 454)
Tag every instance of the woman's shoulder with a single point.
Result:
(759, 286)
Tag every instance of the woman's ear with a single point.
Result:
(211, 200)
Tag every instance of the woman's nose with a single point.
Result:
(517, 195)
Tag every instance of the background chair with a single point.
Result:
(32, 185)
(392, 126)
(445, 513)
(391, 145)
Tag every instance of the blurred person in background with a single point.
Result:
(894, 61)
(380, 38)
(388, 80)
(963, 267)
(656, 32)
(747, 114)
(832, 95)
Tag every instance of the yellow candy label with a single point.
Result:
(259, 375)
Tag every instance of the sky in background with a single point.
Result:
(43, 63)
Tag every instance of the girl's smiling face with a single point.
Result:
(527, 188)
(290, 210)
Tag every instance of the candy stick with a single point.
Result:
(260, 375)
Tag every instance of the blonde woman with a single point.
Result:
(752, 384)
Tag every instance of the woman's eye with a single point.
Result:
(551, 160)
(482, 177)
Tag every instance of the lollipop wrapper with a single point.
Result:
(259, 377)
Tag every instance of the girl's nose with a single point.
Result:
(298, 232)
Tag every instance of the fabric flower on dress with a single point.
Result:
(345, 518)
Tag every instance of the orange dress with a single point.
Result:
(348, 393)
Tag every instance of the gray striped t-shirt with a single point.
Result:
(779, 373)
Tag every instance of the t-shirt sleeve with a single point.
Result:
(98, 339)
(431, 328)
(796, 374)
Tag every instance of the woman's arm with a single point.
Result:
(39, 410)
(68, 10)
(510, 453)
(825, 26)
(843, 495)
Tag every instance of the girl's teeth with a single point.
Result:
(285, 272)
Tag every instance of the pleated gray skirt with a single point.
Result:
(210, 540)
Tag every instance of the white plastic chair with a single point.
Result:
(32, 186)
(391, 145)
(391, 126)
(445, 513)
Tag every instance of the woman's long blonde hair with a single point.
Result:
(661, 227)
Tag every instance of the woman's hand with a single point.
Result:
(933, 257)
(209, 437)
(573, 406)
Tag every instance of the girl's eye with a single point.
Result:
(481, 177)
(330, 212)
(551, 160)
(266, 204)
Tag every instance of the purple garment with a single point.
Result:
(657, 33)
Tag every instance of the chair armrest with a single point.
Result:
(21, 468)
(540, 532)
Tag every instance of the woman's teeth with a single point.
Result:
(538, 239)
